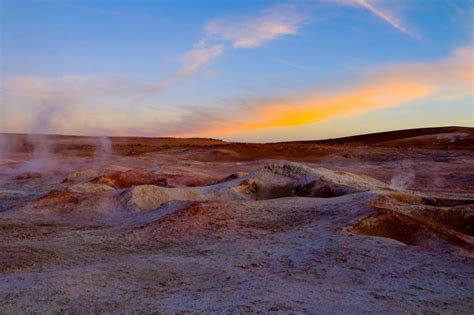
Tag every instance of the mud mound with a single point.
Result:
(220, 219)
(85, 175)
(460, 219)
(89, 188)
(323, 189)
(453, 213)
(68, 208)
(270, 182)
(326, 183)
(57, 201)
(82, 176)
(292, 170)
(273, 181)
(58, 197)
(293, 179)
(410, 231)
(130, 178)
(187, 223)
(148, 197)
(229, 178)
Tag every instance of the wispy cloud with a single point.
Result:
(247, 32)
(191, 63)
(291, 64)
(381, 9)
(236, 32)
(250, 31)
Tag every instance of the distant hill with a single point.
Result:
(434, 138)
(422, 137)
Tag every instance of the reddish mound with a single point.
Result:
(191, 221)
(197, 219)
(408, 230)
(58, 197)
(57, 201)
(130, 178)
(460, 219)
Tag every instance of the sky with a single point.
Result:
(254, 71)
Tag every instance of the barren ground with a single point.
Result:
(381, 223)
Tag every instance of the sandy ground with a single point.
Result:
(383, 224)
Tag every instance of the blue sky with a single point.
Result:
(238, 70)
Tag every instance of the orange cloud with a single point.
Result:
(388, 87)
(315, 109)
(304, 110)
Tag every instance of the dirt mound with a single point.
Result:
(56, 201)
(82, 176)
(410, 231)
(58, 197)
(323, 189)
(270, 182)
(273, 181)
(460, 219)
(85, 175)
(452, 213)
(229, 178)
(220, 219)
(89, 188)
(187, 223)
(294, 179)
(130, 178)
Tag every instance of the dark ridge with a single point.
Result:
(379, 137)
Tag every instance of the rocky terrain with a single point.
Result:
(380, 223)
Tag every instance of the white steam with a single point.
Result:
(103, 150)
(4, 147)
(42, 158)
(405, 176)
